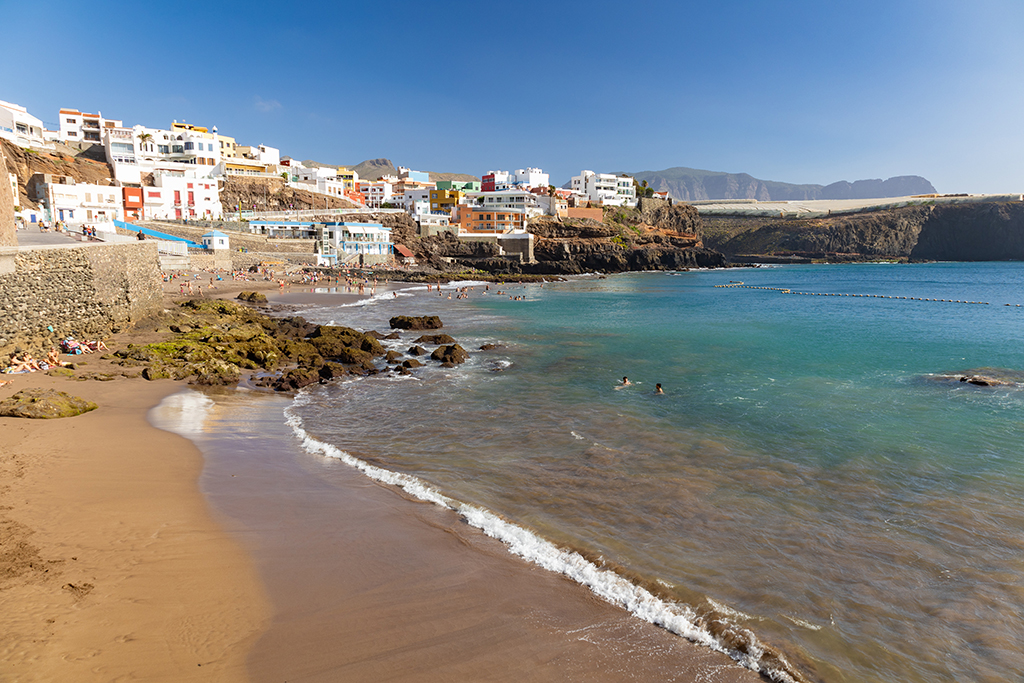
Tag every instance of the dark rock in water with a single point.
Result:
(393, 335)
(330, 371)
(392, 356)
(375, 334)
(294, 328)
(452, 354)
(409, 322)
(491, 347)
(44, 404)
(331, 341)
(984, 377)
(435, 339)
(417, 351)
(213, 372)
(411, 363)
(297, 378)
(403, 370)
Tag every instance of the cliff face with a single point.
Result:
(24, 163)
(8, 238)
(960, 232)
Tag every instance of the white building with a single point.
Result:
(176, 196)
(14, 188)
(378, 193)
(605, 188)
(303, 174)
(520, 179)
(521, 200)
(77, 126)
(62, 199)
(184, 148)
(16, 122)
(268, 156)
(215, 239)
(355, 244)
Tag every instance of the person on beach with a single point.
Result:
(657, 389)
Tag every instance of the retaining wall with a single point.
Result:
(88, 291)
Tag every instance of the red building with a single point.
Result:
(133, 205)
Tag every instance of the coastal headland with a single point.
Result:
(114, 564)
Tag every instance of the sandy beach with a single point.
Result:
(116, 566)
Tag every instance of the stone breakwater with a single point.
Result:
(85, 291)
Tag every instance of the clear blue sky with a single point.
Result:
(790, 90)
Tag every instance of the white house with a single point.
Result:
(62, 199)
(268, 156)
(303, 174)
(177, 196)
(606, 188)
(520, 179)
(377, 193)
(77, 126)
(16, 122)
(356, 244)
(216, 240)
(521, 200)
(184, 148)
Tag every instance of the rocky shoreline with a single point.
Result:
(220, 342)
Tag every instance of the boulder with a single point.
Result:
(44, 404)
(411, 363)
(417, 351)
(252, 297)
(411, 322)
(435, 339)
(452, 354)
(392, 356)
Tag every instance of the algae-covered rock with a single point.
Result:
(60, 372)
(392, 356)
(44, 404)
(214, 372)
(252, 297)
(155, 372)
(434, 339)
(413, 322)
(450, 355)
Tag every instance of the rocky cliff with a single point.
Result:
(984, 231)
(66, 162)
(272, 194)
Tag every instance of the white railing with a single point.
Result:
(171, 248)
(301, 213)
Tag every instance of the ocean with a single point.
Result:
(814, 491)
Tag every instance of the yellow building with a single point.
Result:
(445, 200)
(227, 146)
(350, 178)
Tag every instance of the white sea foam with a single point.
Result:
(676, 618)
(182, 413)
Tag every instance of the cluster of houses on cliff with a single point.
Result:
(177, 173)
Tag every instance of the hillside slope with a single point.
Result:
(25, 162)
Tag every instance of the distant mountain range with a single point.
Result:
(691, 184)
(371, 169)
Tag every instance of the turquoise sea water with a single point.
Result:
(808, 475)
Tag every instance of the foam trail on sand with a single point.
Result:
(182, 413)
(674, 617)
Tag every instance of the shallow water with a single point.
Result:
(806, 473)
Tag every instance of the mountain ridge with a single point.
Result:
(691, 184)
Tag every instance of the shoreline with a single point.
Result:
(163, 587)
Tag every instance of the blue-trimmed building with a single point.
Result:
(354, 244)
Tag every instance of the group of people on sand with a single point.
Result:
(627, 383)
(23, 362)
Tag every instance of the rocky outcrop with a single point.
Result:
(24, 163)
(44, 404)
(412, 322)
(976, 231)
(8, 238)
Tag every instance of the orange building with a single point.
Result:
(133, 205)
(482, 219)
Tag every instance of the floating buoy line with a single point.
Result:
(736, 284)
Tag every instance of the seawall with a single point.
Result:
(87, 291)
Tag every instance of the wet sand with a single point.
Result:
(369, 585)
(111, 566)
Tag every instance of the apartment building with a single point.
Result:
(137, 150)
(518, 200)
(378, 193)
(16, 122)
(522, 178)
(477, 219)
(78, 126)
(445, 201)
(176, 196)
(606, 188)
(64, 199)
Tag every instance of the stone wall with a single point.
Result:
(87, 291)
(8, 238)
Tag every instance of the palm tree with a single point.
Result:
(143, 139)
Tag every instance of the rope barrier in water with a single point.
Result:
(784, 290)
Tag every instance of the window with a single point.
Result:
(72, 133)
(188, 145)
(163, 149)
(177, 149)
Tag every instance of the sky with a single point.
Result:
(788, 90)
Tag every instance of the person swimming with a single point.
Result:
(657, 389)
(626, 382)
